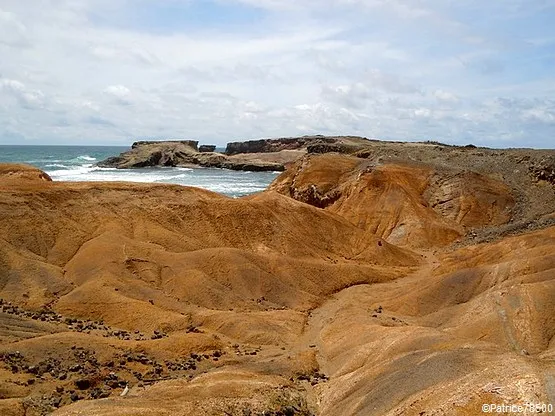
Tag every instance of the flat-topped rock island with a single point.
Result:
(256, 155)
(183, 153)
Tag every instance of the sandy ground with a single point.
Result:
(355, 286)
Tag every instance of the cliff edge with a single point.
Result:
(183, 153)
(294, 143)
(254, 155)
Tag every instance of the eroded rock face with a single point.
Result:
(267, 145)
(423, 204)
(194, 303)
(386, 200)
(470, 199)
(182, 153)
(148, 154)
(290, 143)
(193, 144)
(207, 148)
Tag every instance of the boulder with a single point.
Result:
(148, 154)
(207, 148)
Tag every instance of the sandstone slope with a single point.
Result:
(425, 195)
(355, 303)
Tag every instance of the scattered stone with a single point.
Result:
(83, 384)
(75, 368)
(95, 393)
(193, 329)
(104, 394)
(56, 401)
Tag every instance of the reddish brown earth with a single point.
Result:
(354, 286)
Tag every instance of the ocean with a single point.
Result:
(77, 163)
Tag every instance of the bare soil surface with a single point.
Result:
(402, 279)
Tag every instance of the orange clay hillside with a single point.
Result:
(356, 285)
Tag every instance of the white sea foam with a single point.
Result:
(70, 171)
(181, 175)
(230, 183)
(86, 157)
(57, 165)
(39, 161)
(95, 174)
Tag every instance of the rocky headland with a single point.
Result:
(304, 143)
(371, 278)
(184, 154)
(255, 155)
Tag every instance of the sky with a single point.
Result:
(109, 72)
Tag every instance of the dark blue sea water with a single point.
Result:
(77, 163)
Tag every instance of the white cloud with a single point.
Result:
(423, 112)
(12, 85)
(354, 96)
(404, 9)
(540, 114)
(119, 94)
(27, 98)
(445, 96)
(112, 70)
(89, 105)
(118, 91)
(13, 33)
(390, 82)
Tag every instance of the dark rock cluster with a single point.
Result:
(333, 147)
(207, 148)
(245, 351)
(43, 315)
(77, 325)
(189, 143)
(78, 377)
(313, 377)
(82, 376)
(544, 170)
(289, 410)
(276, 145)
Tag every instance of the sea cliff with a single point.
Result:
(254, 155)
(182, 153)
